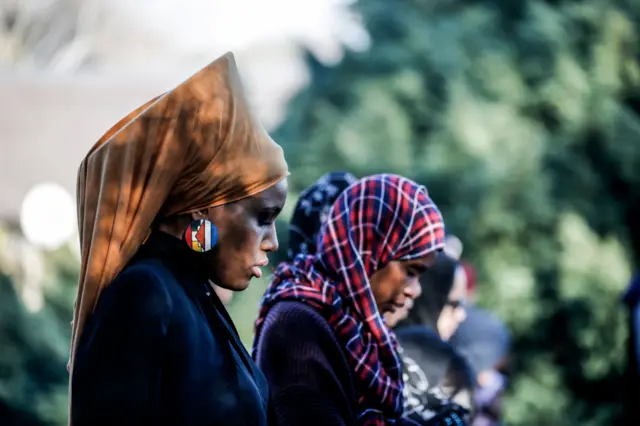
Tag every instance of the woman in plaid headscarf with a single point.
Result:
(320, 337)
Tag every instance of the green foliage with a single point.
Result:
(521, 118)
(35, 346)
(33, 378)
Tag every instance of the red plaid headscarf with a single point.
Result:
(376, 220)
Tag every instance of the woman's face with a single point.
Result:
(393, 318)
(453, 312)
(397, 282)
(246, 233)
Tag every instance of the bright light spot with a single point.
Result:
(32, 298)
(453, 247)
(48, 216)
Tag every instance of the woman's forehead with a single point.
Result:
(424, 261)
(272, 197)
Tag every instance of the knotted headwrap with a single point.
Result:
(377, 220)
(312, 210)
(195, 147)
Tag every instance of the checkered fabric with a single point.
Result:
(376, 220)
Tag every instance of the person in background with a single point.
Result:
(312, 209)
(181, 193)
(320, 337)
(438, 381)
(441, 305)
(484, 341)
(631, 299)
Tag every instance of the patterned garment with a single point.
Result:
(312, 210)
(424, 403)
(379, 219)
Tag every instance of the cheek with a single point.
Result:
(246, 243)
(239, 242)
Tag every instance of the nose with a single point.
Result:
(413, 290)
(270, 242)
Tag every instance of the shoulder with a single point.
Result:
(296, 333)
(287, 320)
(140, 287)
(296, 316)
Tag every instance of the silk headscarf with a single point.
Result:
(376, 220)
(194, 147)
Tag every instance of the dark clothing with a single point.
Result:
(160, 349)
(309, 377)
(308, 374)
(632, 374)
(434, 377)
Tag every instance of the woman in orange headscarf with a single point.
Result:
(181, 193)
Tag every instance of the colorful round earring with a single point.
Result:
(201, 235)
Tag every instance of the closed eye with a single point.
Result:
(268, 216)
(415, 271)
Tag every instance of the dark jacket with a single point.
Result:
(631, 299)
(310, 380)
(160, 349)
(308, 373)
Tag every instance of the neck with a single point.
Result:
(174, 226)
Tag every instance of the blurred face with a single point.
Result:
(453, 312)
(397, 282)
(246, 233)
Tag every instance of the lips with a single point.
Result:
(256, 270)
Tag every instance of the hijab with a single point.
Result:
(376, 220)
(436, 283)
(312, 209)
(194, 147)
(483, 339)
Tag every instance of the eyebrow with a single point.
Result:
(420, 267)
(272, 209)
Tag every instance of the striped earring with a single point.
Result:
(201, 235)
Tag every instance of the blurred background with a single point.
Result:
(521, 117)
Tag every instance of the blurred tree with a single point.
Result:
(522, 119)
(33, 378)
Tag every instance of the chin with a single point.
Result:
(240, 285)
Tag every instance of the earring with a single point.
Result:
(201, 235)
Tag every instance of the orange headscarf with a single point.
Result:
(195, 147)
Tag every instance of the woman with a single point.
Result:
(310, 213)
(312, 210)
(181, 193)
(437, 379)
(484, 341)
(320, 337)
